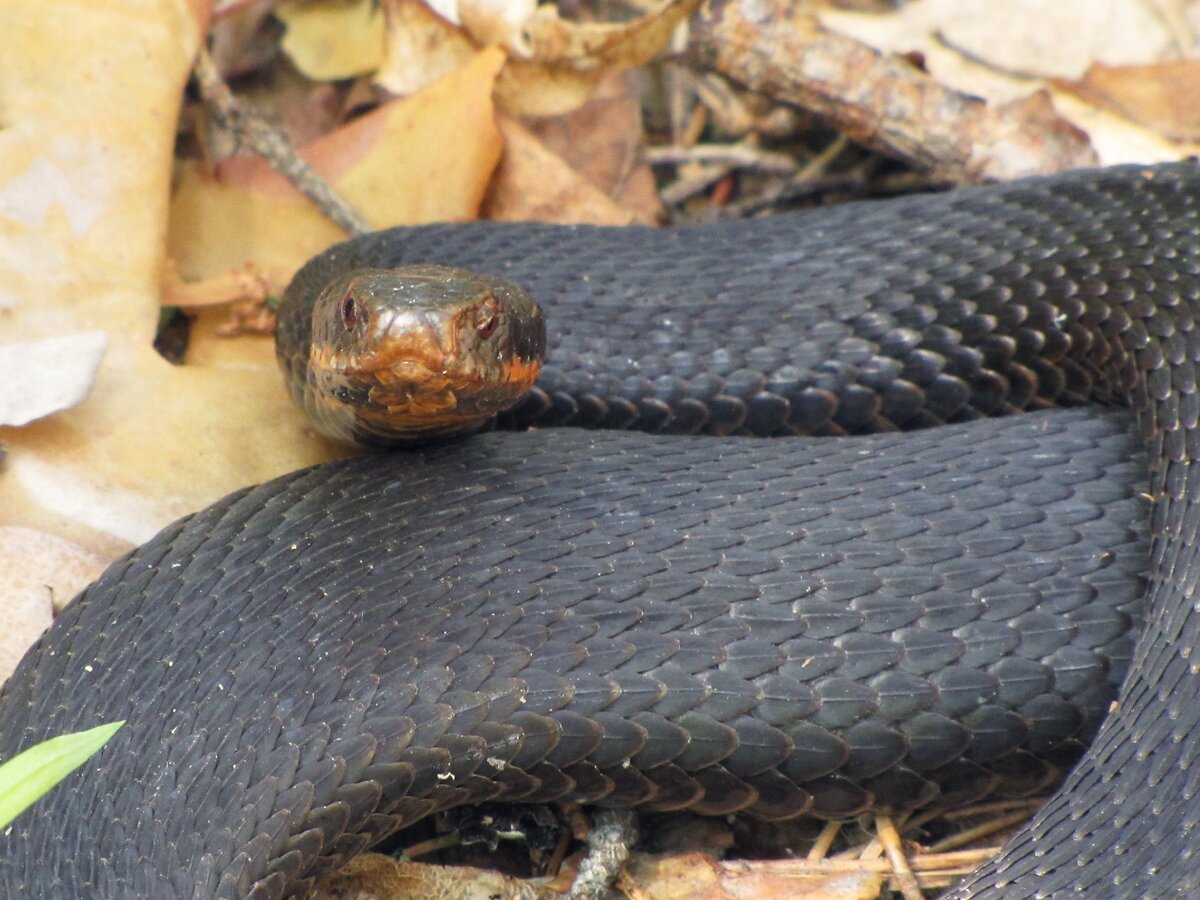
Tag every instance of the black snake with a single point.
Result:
(718, 624)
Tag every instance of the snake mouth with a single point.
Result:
(411, 401)
(441, 399)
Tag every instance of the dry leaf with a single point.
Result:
(382, 163)
(372, 876)
(332, 39)
(603, 142)
(421, 47)
(564, 61)
(498, 22)
(585, 46)
(46, 376)
(533, 183)
(41, 573)
(248, 282)
(81, 235)
(698, 876)
(1061, 39)
(238, 41)
(1164, 97)
(558, 63)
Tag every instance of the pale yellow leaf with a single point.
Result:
(332, 39)
(384, 164)
(48, 375)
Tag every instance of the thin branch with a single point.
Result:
(263, 138)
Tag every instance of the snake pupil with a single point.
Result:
(349, 311)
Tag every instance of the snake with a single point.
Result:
(900, 595)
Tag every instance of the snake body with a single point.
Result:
(774, 627)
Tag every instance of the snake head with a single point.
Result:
(407, 354)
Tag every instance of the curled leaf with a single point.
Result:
(559, 63)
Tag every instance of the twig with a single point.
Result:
(885, 827)
(738, 156)
(881, 100)
(820, 847)
(807, 180)
(1029, 806)
(681, 189)
(971, 835)
(614, 831)
(432, 845)
(922, 865)
(272, 145)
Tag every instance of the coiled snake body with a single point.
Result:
(774, 627)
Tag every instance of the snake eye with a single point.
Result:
(489, 318)
(349, 310)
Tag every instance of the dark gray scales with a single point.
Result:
(763, 626)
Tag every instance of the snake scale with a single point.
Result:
(689, 622)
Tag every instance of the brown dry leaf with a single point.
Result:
(1060, 38)
(495, 21)
(602, 141)
(991, 49)
(229, 304)
(534, 183)
(1164, 97)
(697, 876)
(248, 282)
(82, 206)
(582, 46)
(238, 42)
(372, 876)
(331, 39)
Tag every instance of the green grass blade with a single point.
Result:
(29, 774)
